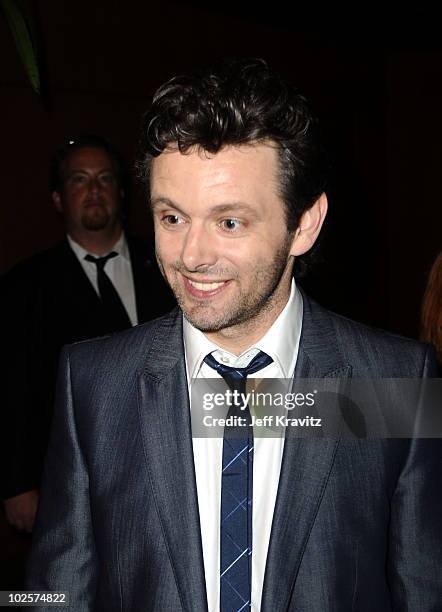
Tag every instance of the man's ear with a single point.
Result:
(309, 227)
(56, 200)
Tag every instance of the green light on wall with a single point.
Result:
(21, 25)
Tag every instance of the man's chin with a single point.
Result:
(210, 322)
(203, 321)
(95, 223)
(94, 227)
(205, 326)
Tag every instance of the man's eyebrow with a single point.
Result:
(233, 207)
(157, 200)
(160, 200)
(217, 209)
(84, 171)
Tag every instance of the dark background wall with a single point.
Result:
(375, 83)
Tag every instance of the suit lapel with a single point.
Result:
(166, 431)
(306, 466)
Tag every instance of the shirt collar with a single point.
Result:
(281, 341)
(119, 247)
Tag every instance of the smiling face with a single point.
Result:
(90, 197)
(221, 239)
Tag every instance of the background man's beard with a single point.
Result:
(95, 219)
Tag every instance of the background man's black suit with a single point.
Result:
(48, 302)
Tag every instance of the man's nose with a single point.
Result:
(198, 251)
(94, 184)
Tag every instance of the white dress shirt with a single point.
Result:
(118, 269)
(281, 342)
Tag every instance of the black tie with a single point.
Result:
(237, 494)
(116, 314)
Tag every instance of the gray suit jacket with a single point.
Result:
(357, 524)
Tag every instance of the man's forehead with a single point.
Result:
(241, 179)
(89, 156)
(230, 165)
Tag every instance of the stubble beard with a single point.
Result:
(95, 219)
(257, 303)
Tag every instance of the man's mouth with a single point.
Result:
(206, 286)
(204, 289)
(94, 203)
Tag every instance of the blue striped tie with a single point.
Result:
(237, 493)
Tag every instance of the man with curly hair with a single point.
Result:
(138, 513)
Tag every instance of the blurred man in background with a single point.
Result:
(96, 281)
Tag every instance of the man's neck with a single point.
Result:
(240, 340)
(98, 243)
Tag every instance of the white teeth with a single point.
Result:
(205, 286)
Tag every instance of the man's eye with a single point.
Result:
(171, 219)
(78, 179)
(107, 179)
(230, 224)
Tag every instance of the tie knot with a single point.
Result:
(100, 262)
(260, 361)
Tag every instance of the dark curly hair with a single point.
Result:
(239, 102)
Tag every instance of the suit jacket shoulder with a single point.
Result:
(29, 272)
(332, 342)
(155, 347)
